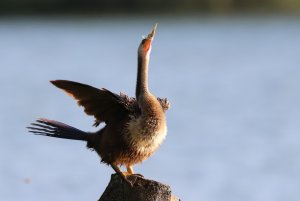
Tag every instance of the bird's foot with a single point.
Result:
(130, 183)
(125, 175)
(131, 172)
(132, 180)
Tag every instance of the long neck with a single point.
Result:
(142, 76)
(146, 101)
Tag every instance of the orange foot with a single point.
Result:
(124, 175)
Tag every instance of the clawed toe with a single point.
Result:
(130, 183)
(125, 175)
(133, 179)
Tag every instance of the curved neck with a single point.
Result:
(142, 75)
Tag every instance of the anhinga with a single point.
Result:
(134, 127)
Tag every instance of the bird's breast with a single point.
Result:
(145, 134)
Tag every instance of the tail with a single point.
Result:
(57, 129)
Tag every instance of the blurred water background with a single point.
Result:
(233, 82)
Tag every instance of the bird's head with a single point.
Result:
(145, 46)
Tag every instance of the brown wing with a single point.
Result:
(104, 105)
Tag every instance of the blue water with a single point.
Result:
(233, 128)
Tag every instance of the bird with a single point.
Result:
(134, 127)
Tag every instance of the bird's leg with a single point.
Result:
(117, 170)
(129, 170)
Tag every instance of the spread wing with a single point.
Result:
(104, 105)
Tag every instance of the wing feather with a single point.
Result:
(101, 103)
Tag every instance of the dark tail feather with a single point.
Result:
(57, 129)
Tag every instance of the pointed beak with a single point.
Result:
(151, 35)
(148, 40)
